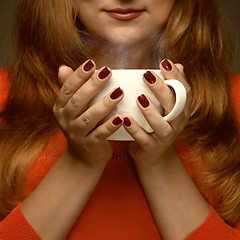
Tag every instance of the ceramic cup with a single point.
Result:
(131, 82)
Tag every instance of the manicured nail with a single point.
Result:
(116, 121)
(143, 101)
(166, 65)
(116, 94)
(88, 66)
(127, 121)
(104, 73)
(149, 77)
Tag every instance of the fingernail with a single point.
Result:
(116, 121)
(88, 66)
(166, 65)
(116, 94)
(104, 73)
(127, 121)
(143, 101)
(149, 77)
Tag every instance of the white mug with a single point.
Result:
(132, 84)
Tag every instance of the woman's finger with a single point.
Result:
(88, 90)
(172, 71)
(88, 120)
(74, 82)
(64, 73)
(161, 91)
(160, 126)
(105, 130)
(175, 71)
(141, 137)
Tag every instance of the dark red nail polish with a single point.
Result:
(143, 101)
(116, 94)
(104, 73)
(117, 121)
(167, 65)
(88, 66)
(127, 122)
(149, 77)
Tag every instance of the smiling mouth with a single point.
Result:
(125, 14)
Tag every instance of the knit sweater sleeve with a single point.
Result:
(214, 228)
(16, 227)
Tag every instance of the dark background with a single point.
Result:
(230, 10)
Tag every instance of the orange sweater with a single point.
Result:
(117, 208)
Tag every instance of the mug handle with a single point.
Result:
(181, 97)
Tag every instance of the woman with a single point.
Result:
(180, 182)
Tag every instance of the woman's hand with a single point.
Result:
(158, 147)
(177, 205)
(86, 139)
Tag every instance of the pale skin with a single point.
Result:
(176, 204)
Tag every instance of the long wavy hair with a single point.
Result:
(48, 36)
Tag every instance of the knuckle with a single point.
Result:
(76, 130)
(86, 119)
(72, 137)
(75, 101)
(167, 133)
(145, 144)
(98, 136)
(58, 112)
(66, 89)
(63, 125)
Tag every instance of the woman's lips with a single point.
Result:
(124, 14)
